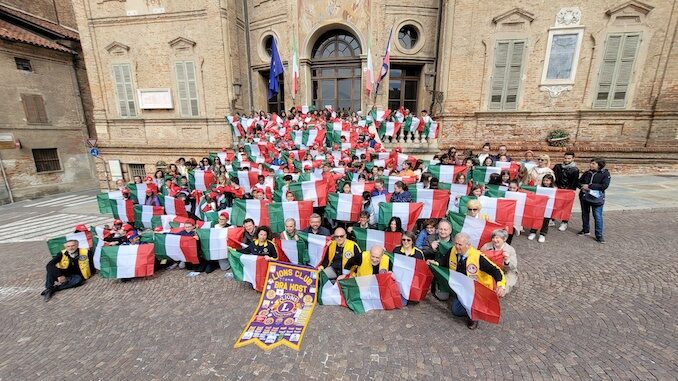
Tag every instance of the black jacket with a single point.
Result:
(598, 180)
(566, 177)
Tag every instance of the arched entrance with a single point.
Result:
(336, 71)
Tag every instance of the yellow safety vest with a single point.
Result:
(83, 262)
(345, 255)
(473, 268)
(366, 268)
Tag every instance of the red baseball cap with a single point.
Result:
(117, 222)
(81, 228)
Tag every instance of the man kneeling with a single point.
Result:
(70, 268)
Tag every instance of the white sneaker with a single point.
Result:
(182, 265)
(541, 239)
(531, 236)
(562, 227)
(552, 223)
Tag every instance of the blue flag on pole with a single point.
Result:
(276, 70)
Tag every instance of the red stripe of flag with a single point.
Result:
(389, 293)
(262, 269)
(189, 247)
(145, 261)
(485, 305)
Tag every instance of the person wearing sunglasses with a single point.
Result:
(543, 168)
(368, 263)
(338, 252)
(473, 208)
(407, 247)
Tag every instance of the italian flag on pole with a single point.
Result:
(148, 216)
(499, 210)
(56, 244)
(480, 302)
(279, 212)
(123, 210)
(447, 173)
(434, 200)
(479, 229)
(413, 277)
(308, 250)
(295, 69)
(374, 292)
(214, 243)
(175, 207)
(560, 202)
(103, 201)
(248, 268)
(408, 212)
(127, 261)
(344, 207)
(176, 247)
(254, 209)
(201, 180)
(366, 238)
(481, 175)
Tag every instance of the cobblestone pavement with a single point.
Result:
(581, 311)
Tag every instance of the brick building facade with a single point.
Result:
(165, 73)
(44, 102)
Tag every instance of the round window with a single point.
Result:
(268, 45)
(408, 36)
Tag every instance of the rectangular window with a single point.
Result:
(614, 76)
(506, 75)
(122, 74)
(34, 108)
(277, 103)
(187, 88)
(562, 56)
(23, 64)
(403, 87)
(136, 170)
(46, 160)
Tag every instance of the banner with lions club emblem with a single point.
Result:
(285, 307)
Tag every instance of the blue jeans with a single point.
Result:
(457, 308)
(586, 209)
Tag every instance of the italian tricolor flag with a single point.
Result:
(175, 207)
(366, 238)
(499, 210)
(408, 212)
(329, 294)
(279, 212)
(103, 201)
(358, 188)
(201, 180)
(413, 277)
(456, 192)
(56, 244)
(530, 207)
(481, 175)
(315, 191)
(480, 302)
(127, 261)
(307, 138)
(560, 202)
(390, 181)
(389, 129)
(214, 243)
(138, 192)
(248, 268)
(148, 216)
(434, 200)
(123, 210)
(254, 209)
(295, 70)
(344, 207)
(374, 292)
(246, 179)
(479, 229)
(431, 129)
(308, 250)
(236, 128)
(177, 247)
(447, 173)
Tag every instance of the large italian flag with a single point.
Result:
(480, 302)
(374, 292)
(560, 202)
(254, 209)
(366, 238)
(308, 250)
(408, 212)
(201, 180)
(127, 261)
(329, 294)
(530, 207)
(248, 268)
(390, 181)
(138, 192)
(177, 247)
(499, 210)
(123, 210)
(481, 175)
(56, 244)
(175, 206)
(456, 192)
(104, 203)
(344, 207)
(434, 200)
(148, 216)
(315, 191)
(413, 277)
(214, 243)
(389, 129)
(447, 173)
(479, 229)
(279, 212)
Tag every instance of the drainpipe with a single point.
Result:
(249, 52)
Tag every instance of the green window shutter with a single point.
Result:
(514, 73)
(192, 89)
(129, 91)
(182, 88)
(616, 70)
(122, 75)
(624, 70)
(499, 75)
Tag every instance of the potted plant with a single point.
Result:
(558, 138)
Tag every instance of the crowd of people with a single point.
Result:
(348, 149)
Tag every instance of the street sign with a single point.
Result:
(94, 152)
(92, 142)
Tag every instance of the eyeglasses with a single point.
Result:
(542, 159)
(340, 236)
(473, 209)
(407, 240)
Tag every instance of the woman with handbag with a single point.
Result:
(593, 184)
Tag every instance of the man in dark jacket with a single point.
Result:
(567, 177)
(70, 268)
(593, 184)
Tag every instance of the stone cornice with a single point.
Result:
(150, 18)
